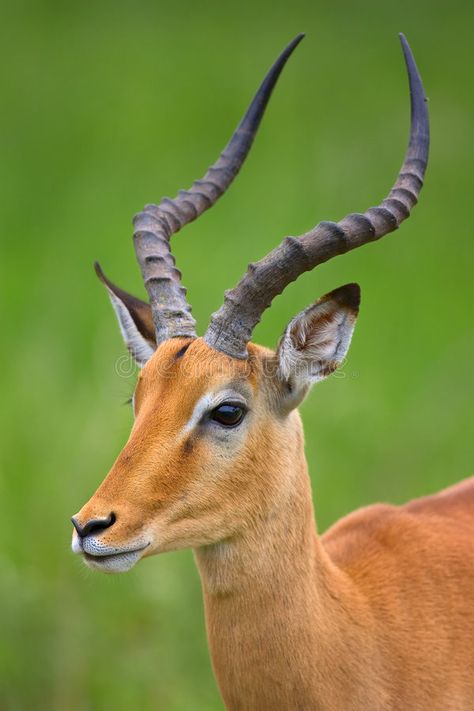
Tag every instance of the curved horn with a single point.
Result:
(157, 223)
(231, 327)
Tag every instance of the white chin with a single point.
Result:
(119, 563)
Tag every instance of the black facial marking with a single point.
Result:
(181, 351)
(188, 446)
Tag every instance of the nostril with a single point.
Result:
(94, 525)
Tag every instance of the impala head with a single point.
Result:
(215, 417)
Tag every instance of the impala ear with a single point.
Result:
(316, 341)
(135, 320)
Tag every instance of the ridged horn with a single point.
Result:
(155, 225)
(231, 327)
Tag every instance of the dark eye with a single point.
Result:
(228, 415)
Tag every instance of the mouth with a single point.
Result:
(106, 559)
(115, 562)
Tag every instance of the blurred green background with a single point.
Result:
(109, 105)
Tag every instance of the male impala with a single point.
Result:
(376, 614)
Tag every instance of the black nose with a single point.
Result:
(94, 525)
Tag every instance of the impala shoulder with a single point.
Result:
(456, 501)
(372, 533)
(368, 521)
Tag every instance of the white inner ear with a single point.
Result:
(139, 347)
(315, 343)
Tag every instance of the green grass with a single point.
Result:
(106, 106)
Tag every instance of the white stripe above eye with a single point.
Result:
(208, 402)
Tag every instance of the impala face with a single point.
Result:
(215, 420)
(182, 478)
(211, 438)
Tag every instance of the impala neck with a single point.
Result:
(276, 608)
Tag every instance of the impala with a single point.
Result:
(376, 614)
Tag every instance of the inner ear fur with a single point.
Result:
(316, 341)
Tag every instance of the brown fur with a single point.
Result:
(376, 615)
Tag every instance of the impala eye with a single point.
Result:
(228, 414)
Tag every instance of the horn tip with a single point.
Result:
(408, 54)
(295, 42)
(405, 46)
